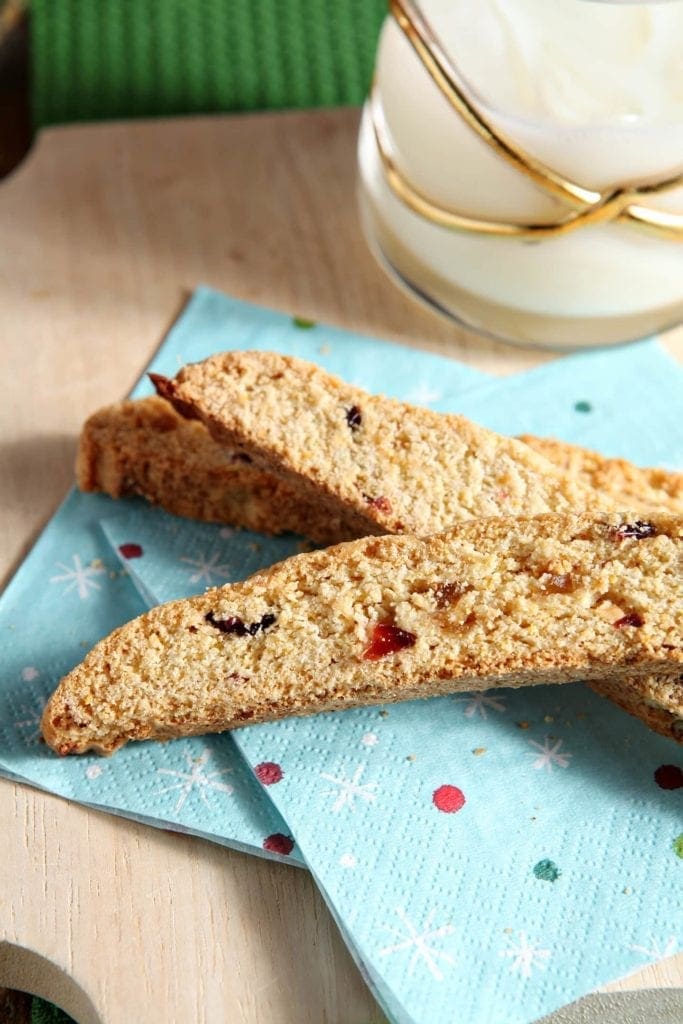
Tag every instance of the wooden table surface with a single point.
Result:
(105, 230)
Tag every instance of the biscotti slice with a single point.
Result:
(392, 467)
(629, 486)
(493, 602)
(144, 447)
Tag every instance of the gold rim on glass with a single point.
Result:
(586, 206)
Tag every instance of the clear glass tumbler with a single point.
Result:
(521, 165)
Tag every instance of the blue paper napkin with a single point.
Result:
(489, 857)
(71, 590)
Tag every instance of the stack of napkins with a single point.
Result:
(488, 857)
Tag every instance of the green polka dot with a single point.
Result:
(583, 406)
(678, 846)
(547, 871)
(302, 323)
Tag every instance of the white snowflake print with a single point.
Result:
(370, 739)
(477, 703)
(424, 394)
(525, 956)
(29, 724)
(196, 777)
(549, 755)
(93, 771)
(29, 673)
(206, 568)
(79, 577)
(655, 951)
(420, 940)
(349, 789)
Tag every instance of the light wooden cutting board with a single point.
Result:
(104, 231)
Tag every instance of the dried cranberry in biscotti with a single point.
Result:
(387, 639)
(235, 626)
(354, 418)
(638, 530)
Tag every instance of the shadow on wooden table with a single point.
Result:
(36, 472)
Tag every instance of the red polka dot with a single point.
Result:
(268, 773)
(130, 550)
(669, 776)
(278, 843)
(448, 799)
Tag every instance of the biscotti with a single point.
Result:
(389, 467)
(629, 486)
(493, 602)
(145, 448)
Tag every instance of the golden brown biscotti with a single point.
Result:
(629, 486)
(391, 467)
(492, 602)
(144, 447)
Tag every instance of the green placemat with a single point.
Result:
(100, 59)
(46, 1013)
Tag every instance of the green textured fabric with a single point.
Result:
(100, 59)
(46, 1013)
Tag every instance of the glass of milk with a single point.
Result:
(589, 92)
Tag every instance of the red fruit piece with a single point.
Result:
(669, 776)
(632, 619)
(131, 550)
(277, 843)
(381, 503)
(639, 530)
(387, 639)
(268, 773)
(448, 799)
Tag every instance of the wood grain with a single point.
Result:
(105, 231)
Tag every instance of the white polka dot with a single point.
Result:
(29, 673)
(347, 860)
(93, 771)
(370, 739)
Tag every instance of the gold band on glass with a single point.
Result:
(586, 206)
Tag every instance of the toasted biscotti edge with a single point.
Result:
(633, 698)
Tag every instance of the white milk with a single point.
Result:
(593, 90)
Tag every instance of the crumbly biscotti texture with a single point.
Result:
(493, 602)
(391, 467)
(629, 486)
(144, 447)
